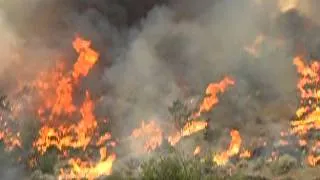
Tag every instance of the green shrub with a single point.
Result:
(283, 165)
(48, 161)
(170, 167)
(175, 166)
(258, 164)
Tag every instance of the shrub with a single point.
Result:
(170, 167)
(48, 161)
(283, 165)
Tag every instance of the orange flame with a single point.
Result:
(10, 139)
(313, 160)
(151, 134)
(196, 150)
(57, 92)
(211, 98)
(104, 138)
(245, 154)
(87, 57)
(234, 148)
(75, 136)
(309, 112)
(189, 129)
(89, 170)
(209, 101)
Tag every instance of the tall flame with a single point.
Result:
(57, 88)
(308, 114)
(60, 137)
(309, 111)
(234, 149)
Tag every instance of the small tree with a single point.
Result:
(179, 113)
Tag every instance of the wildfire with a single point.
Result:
(193, 127)
(309, 112)
(65, 125)
(151, 134)
(75, 136)
(189, 129)
(286, 5)
(196, 150)
(313, 159)
(253, 48)
(206, 105)
(10, 138)
(46, 88)
(234, 148)
(56, 88)
(87, 57)
(212, 91)
(89, 170)
(245, 154)
(103, 139)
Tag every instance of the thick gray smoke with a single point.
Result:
(153, 52)
(195, 46)
(8, 43)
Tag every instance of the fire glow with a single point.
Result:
(57, 94)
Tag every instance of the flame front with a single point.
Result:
(89, 170)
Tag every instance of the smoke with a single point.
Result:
(8, 41)
(195, 49)
(178, 46)
(154, 52)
